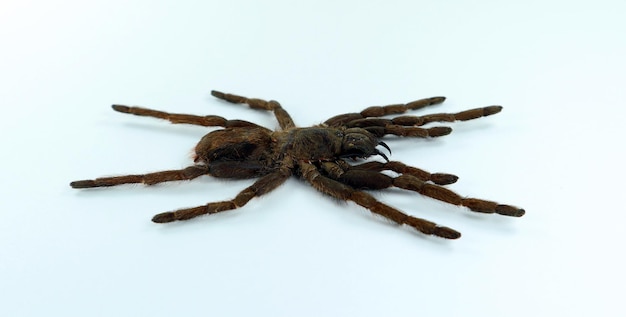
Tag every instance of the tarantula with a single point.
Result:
(319, 155)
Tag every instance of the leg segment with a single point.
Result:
(409, 131)
(370, 172)
(207, 121)
(188, 173)
(262, 186)
(284, 120)
(379, 111)
(344, 192)
(401, 168)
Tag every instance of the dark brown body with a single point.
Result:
(317, 155)
(251, 152)
(237, 152)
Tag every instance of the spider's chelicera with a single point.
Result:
(319, 155)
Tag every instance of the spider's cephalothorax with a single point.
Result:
(317, 155)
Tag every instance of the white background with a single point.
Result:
(557, 150)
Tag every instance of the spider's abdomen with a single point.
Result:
(235, 152)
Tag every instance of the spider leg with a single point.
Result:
(408, 131)
(284, 119)
(412, 183)
(398, 167)
(422, 120)
(371, 179)
(188, 173)
(342, 191)
(262, 186)
(405, 125)
(379, 111)
(179, 118)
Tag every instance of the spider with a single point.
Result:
(329, 156)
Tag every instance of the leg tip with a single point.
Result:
(217, 94)
(492, 110)
(438, 99)
(164, 217)
(83, 184)
(511, 211)
(439, 131)
(443, 179)
(445, 232)
(417, 104)
(121, 108)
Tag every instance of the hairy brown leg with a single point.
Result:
(344, 192)
(372, 179)
(188, 173)
(409, 131)
(207, 121)
(262, 186)
(284, 119)
(401, 168)
(422, 120)
(379, 111)
(412, 183)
